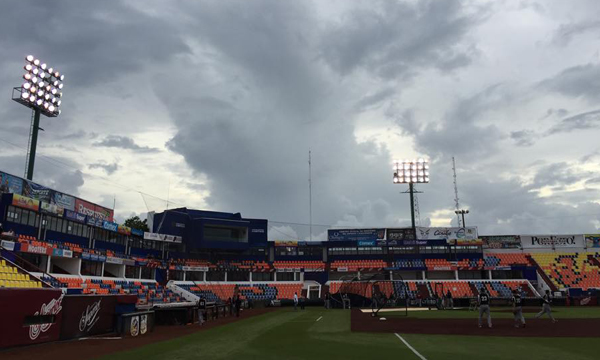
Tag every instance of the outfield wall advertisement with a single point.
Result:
(552, 241)
(592, 240)
(355, 234)
(447, 233)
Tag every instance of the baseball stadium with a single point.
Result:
(204, 284)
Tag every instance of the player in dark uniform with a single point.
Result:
(517, 302)
(201, 310)
(484, 306)
(546, 301)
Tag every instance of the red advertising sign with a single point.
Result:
(25, 247)
(96, 211)
(86, 315)
(25, 202)
(32, 316)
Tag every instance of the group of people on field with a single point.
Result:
(483, 300)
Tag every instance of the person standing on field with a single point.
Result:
(484, 307)
(546, 301)
(449, 300)
(295, 301)
(517, 302)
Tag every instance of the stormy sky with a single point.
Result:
(215, 105)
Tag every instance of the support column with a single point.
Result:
(412, 208)
(35, 128)
(423, 275)
(490, 274)
(455, 274)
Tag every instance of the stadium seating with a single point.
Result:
(438, 264)
(11, 277)
(356, 265)
(312, 265)
(570, 270)
(214, 292)
(410, 264)
(506, 259)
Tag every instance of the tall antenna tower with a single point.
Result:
(456, 192)
(417, 211)
(310, 193)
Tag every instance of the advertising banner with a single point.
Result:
(89, 209)
(445, 233)
(92, 221)
(10, 184)
(281, 243)
(400, 234)
(552, 241)
(32, 316)
(355, 234)
(25, 247)
(162, 237)
(122, 229)
(592, 240)
(37, 191)
(465, 242)
(8, 245)
(137, 232)
(86, 315)
(52, 209)
(64, 201)
(110, 226)
(72, 215)
(366, 243)
(25, 202)
(501, 242)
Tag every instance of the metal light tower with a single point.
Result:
(462, 212)
(42, 92)
(411, 172)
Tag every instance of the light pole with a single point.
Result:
(411, 172)
(462, 213)
(41, 92)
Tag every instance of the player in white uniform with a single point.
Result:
(517, 302)
(546, 301)
(484, 306)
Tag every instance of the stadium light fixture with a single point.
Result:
(462, 212)
(411, 172)
(41, 92)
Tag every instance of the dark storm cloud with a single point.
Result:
(90, 44)
(396, 38)
(108, 168)
(582, 81)
(124, 142)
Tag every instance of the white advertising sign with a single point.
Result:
(447, 233)
(552, 241)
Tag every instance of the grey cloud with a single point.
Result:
(523, 137)
(375, 99)
(584, 121)
(124, 142)
(458, 132)
(566, 32)
(394, 38)
(108, 168)
(577, 81)
(558, 175)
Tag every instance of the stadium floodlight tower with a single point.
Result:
(411, 172)
(41, 92)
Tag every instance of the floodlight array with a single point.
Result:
(43, 87)
(407, 172)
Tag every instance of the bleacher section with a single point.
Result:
(10, 277)
(426, 288)
(410, 264)
(311, 265)
(356, 265)
(570, 270)
(214, 292)
(507, 259)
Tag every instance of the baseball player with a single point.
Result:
(517, 302)
(546, 301)
(484, 306)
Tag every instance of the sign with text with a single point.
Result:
(162, 237)
(355, 234)
(501, 242)
(552, 241)
(400, 234)
(25, 202)
(447, 233)
(592, 240)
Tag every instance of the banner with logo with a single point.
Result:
(96, 211)
(592, 240)
(8, 245)
(400, 234)
(92, 221)
(137, 232)
(110, 226)
(465, 242)
(366, 243)
(122, 229)
(25, 202)
(445, 233)
(355, 234)
(87, 315)
(552, 241)
(282, 243)
(42, 250)
(52, 209)
(24, 303)
(65, 201)
(501, 242)
(37, 191)
(74, 216)
(10, 184)
(162, 237)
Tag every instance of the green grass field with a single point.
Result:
(285, 334)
